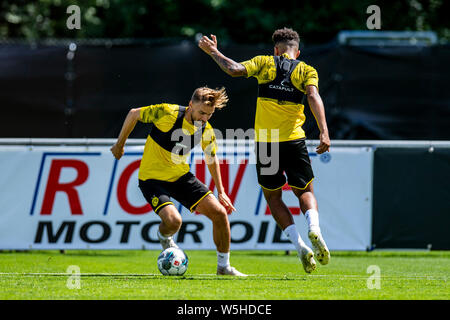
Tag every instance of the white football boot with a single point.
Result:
(319, 246)
(229, 271)
(307, 258)
(167, 243)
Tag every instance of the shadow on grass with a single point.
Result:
(261, 253)
(391, 254)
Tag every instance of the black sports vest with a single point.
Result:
(175, 140)
(281, 88)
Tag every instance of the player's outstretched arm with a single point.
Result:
(318, 110)
(128, 125)
(228, 65)
(214, 169)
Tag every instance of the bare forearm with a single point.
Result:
(228, 65)
(214, 170)
(317, 108)
(128, 126)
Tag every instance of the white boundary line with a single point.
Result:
(259, 276)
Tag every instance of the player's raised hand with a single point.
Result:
(226, 202)
(324, 143)
(117, 151)
(214, 39)
(208, 45)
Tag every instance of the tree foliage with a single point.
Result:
(241, 21)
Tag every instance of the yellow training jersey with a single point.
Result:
(284, 117)
(160, 164)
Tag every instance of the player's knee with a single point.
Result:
(222, 213)
(174, 222)
(219, 214)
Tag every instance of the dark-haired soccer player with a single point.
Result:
(164, 171)
(282, 83)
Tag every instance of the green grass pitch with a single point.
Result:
(273, 275)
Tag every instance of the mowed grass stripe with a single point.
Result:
(272, 275)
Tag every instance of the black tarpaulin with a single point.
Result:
(369, 92)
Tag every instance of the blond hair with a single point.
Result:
(210, 97)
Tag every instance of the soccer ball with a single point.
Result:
(172, 262)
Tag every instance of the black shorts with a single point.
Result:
(187, 190)
(292, 160)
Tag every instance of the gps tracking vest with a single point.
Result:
(281, 88)
(175, 140)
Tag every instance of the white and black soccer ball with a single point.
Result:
(173, 262)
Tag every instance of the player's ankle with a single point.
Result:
(295, 238)
(163, 237)
(312, 218)
(223, 259)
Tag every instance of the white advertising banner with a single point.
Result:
(80, 197)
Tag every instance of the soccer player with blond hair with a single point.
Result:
(283, 81)
(165, 173)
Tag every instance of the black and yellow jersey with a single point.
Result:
(161, 164)
(285, 117)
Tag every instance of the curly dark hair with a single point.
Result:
(286, 36)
